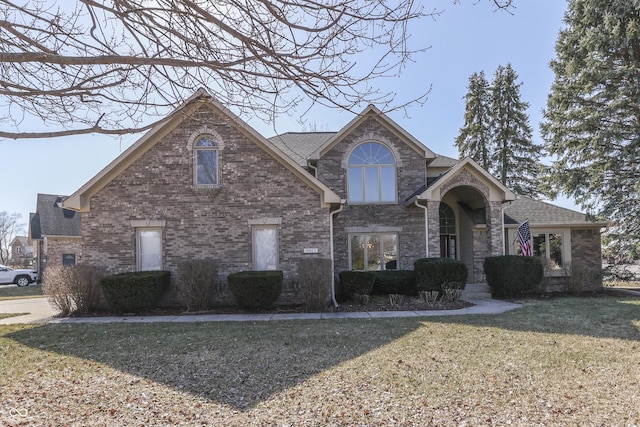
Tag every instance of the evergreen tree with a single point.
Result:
(497, 134)
(592, 120)
(474, 139)
(516, 159)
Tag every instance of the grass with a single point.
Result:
(562, 361)
(5, 315)
(31, 291)
(622, 284)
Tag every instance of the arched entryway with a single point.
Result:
(463, 218)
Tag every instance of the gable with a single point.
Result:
(372, 112)
(201, 99)
(469, 173)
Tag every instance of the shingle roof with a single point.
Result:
(541, 213)
(443, 162)
(52, 220)
(300, 145)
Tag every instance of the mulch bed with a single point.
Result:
(376, 303)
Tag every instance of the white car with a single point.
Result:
(20, 277)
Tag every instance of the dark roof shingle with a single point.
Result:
(542, 213)
(52, 220)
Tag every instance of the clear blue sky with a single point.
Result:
(466, 38)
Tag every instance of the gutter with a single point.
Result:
(426, 227)
(504, 242)
(333, 275)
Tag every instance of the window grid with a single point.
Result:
(371, 174)
(206, 161)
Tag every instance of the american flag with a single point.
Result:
(524, 237)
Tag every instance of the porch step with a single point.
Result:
(476, 291)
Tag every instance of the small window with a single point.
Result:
(149, 249)
(206, 161)
(68, 259)
(371, 174)
(265, 248)
(373, 252)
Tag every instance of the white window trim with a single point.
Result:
(370, 233)
(348, 166)
(566, 247)
(138, 230)
(264, 226)
(197, 150)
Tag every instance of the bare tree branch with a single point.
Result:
(122, 62)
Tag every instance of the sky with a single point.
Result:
(469, 36)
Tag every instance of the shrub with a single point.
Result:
(73, 289)
(436, 274)
(395, 282)
(256, 290)
(196, 282)
(357, 282)
(135, 292)
(314, 277)
(513, 275)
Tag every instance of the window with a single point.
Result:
(551, 247)
(68, 259)
(149, 249)
(447, 232)
(371, 174)
(548, 246)
(206, 161)
(373, 252)
(265, 248)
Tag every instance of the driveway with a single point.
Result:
(39, 310)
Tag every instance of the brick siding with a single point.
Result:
(211, 223)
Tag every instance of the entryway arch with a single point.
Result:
(464, 216)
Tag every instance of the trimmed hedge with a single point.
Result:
(395, 282)
(357, 282)
(513, 275)
(256, 290)
(435, 274)
(135, 292)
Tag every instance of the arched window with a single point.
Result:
(371, 174)
(205, 161)
(448, 246)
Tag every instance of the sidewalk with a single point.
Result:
(41, 312)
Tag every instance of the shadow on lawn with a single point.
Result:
(598, 316)
(242, 364)
(239, 364)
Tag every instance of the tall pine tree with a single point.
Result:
(516, 159)
(474, 139)
(497, 134)
(592, 120)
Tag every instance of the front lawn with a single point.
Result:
(13, 292)
(560, 361)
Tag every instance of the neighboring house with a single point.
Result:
(55, 233)
(21, 252)
(204, 184)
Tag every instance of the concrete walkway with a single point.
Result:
(40, 311)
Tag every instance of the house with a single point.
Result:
(55, 232)
(204, 184)
(21, 252)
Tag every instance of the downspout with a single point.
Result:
(504, 242)
(333, 276)
(426, 227)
